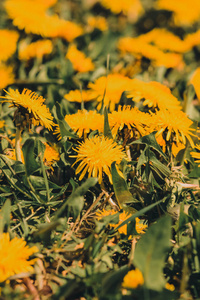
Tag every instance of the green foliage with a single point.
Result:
(151, 252)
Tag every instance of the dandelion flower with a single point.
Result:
(113, 86)
(140, 227)
(155, 95)
(185, 12)
(37, 49)
(98, 22)
(133, 279)
(39, 22)
(96, 156)
(140, 48)
(131, 117)
(169, 287)
(179, 126)
(2, 124)
(80, 62)
(8, 43)
(31, 107)
(165, 40)
(14, 256)
(79, 96)
(84, 121)
(51, 155)
(132, 8)
(6, 75)
(192, 39)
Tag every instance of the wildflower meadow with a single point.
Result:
(99, 149)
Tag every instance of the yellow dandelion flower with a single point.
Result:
(155, 95)
(185, 12)
(8, 43)
(65, 29)
(113, 86)
(131, 117)
(6, 75)
(192, 39)
(132, 8)
(14, 256)
(39, 22)
(140, 227)
(51, 155)
(133, 279)
(35, 109)
(98, 22)
(79, 96)
(2, 124)
(96, 156)
(84, 121)
(80, 62)
(173, 123)
(196, 155)
(140, 48)
(169, 287)
(46, 3)
(164, 40)
(37, 49)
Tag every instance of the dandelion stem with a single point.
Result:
(18, 144)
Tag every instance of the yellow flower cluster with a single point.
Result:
(139, 227)
(36, 49)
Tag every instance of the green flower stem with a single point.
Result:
(18, 144)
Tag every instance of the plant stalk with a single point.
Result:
(18, 145)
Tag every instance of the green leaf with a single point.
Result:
(113, 280)
(44, 230)
(151, 251)
(5, 216)
(31, 165)
(120, 187)
(107, 131)
(65, 129)
(157, 166)
(75, 201)
(71, 290)
(150, 140)
(6, 165)
(39, 183)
